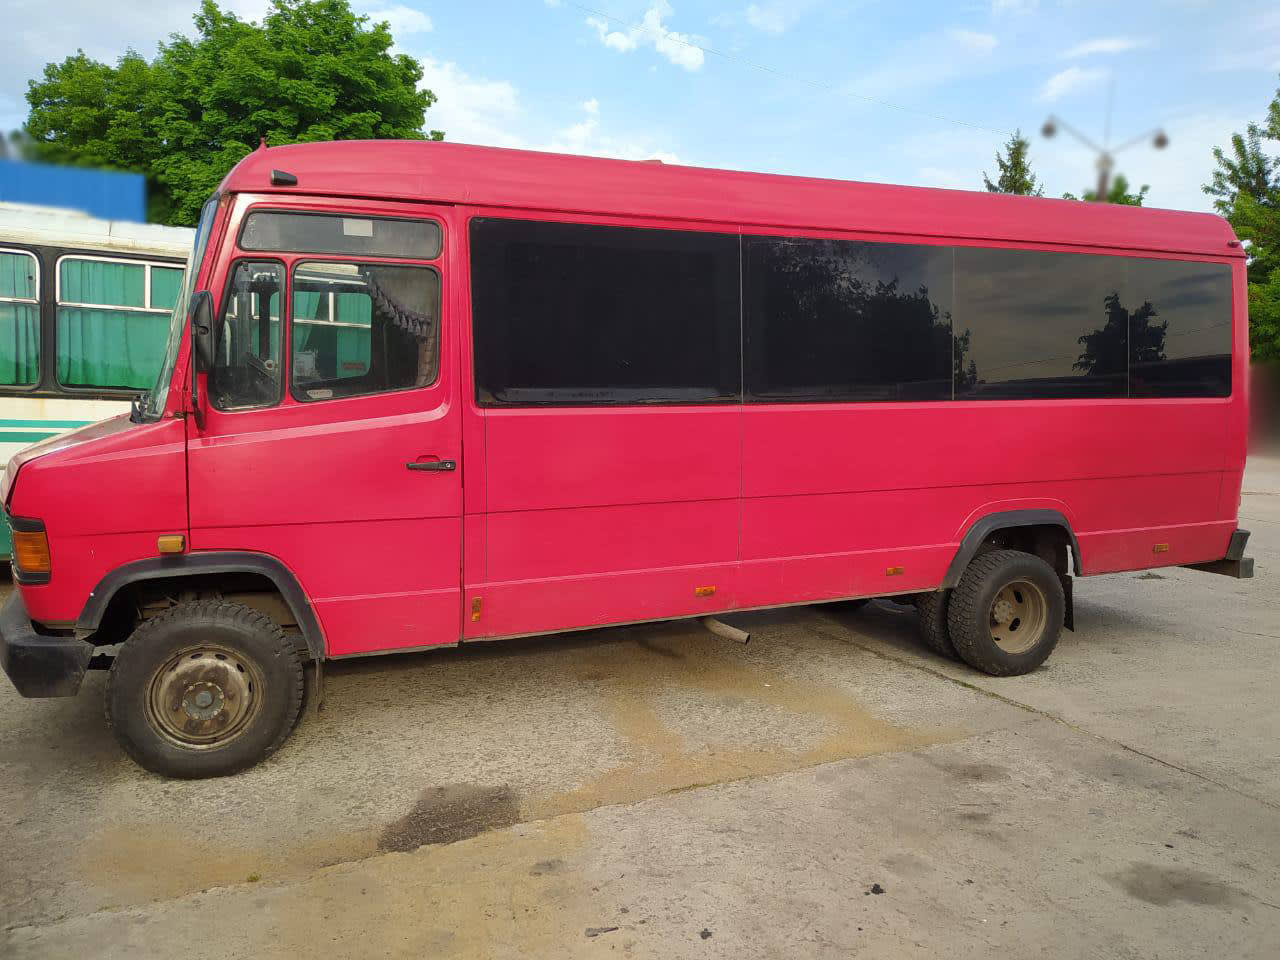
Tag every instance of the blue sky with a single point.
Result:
(905, 92)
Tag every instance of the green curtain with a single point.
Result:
(17, 276)
(108, 284)
(98, 347)
(19, 343)
(342, 350)
(165, 284)
(19, 322)
(102, 347)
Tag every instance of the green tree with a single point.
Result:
(1118, 192)
(1015, 170)
(1246, 190)
(311, 70)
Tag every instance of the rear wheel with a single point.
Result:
(932, 608)
(1005, 615)
(204, 689)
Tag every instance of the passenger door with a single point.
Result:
(607, 382)
(330, 437)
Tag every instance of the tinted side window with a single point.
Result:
(1179, 329)
(581, 314)
(1033, 324)
(847, 320)
(363, 328)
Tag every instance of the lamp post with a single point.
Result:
(1106, 155)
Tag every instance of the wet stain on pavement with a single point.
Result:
(1163, 886)
(669, 753)
(972, 772)
(450, 813)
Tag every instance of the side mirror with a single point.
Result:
(201, 314)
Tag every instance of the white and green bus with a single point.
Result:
(84, 314)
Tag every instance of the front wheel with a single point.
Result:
(204, 689)
(1005, 616)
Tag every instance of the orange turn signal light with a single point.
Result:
(31, 551)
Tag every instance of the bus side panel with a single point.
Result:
(602, 515)
(906, 482)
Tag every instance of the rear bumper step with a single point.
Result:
(1234, 564)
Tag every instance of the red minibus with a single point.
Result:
(422, 394)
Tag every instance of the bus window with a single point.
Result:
(166, 283)
(1040, 325)
(1179, 329)
(568, 313)
(246, 362)
(362, 328)
(111, 328)
(846, 320)
(19, 319)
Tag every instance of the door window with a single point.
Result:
(361, 328)
(246, 365)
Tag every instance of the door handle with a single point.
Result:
(432, 465)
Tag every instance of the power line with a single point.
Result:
(825, 86)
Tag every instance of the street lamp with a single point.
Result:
(1106, 156)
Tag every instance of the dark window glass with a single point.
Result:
(325, 233)
(246, 356)
(1032, 324)
(363, 328)
(1179, 329)
(578, 314)
(847, 320)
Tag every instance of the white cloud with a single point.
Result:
(471, 109)
(1104, 45)
(1070, 80)
(973, 40)
(679, 48)
(401, 19)
(587, 137)
(770, 18)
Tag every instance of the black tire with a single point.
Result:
(248, 679)
(932, 608)
(972, 614)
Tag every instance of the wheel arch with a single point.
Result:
(204, 565)
(981, 531)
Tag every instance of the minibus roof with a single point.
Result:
(525, 180)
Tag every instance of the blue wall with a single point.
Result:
(101, 193)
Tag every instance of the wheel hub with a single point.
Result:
(203, 696)
(203, 701)
(1018, 617)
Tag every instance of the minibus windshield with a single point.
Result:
(153, 403)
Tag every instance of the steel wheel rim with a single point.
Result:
(1018, 616)
(204, 696)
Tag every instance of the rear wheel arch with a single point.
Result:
(200, 570)
(1043, 531)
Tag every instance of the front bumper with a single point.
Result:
(39, 666)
